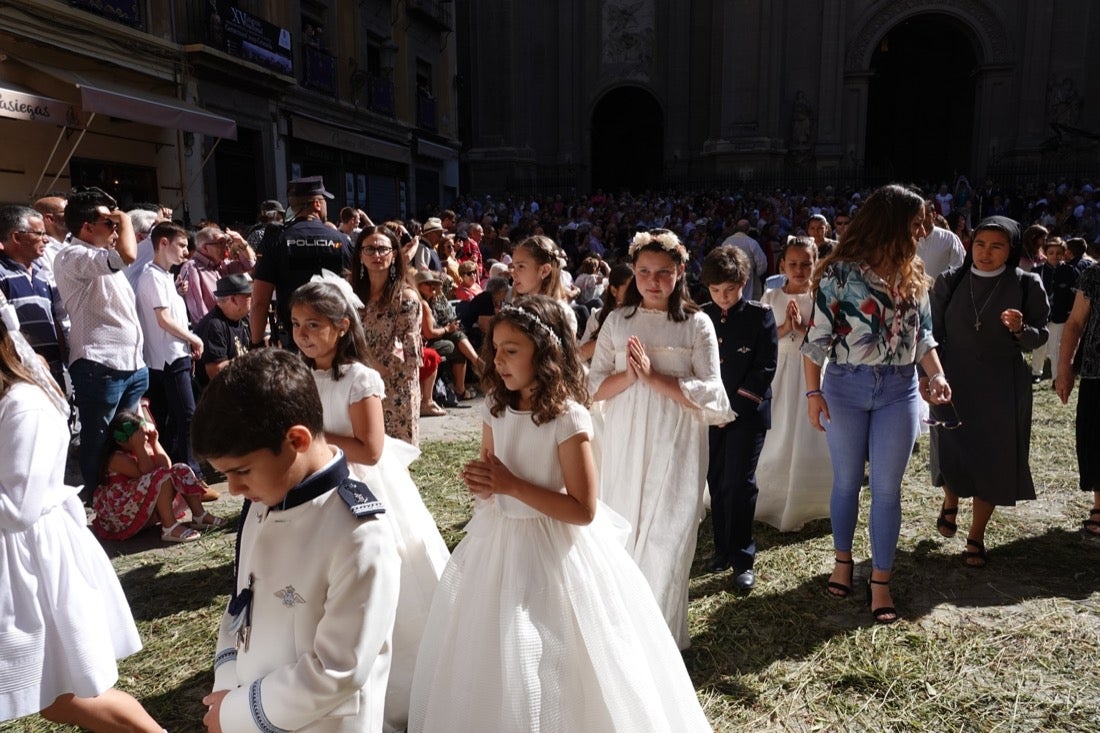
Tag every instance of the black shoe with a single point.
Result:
(715, 564)
(745, 579)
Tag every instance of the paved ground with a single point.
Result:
(457, 424)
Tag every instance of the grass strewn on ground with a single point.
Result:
(1011, 647)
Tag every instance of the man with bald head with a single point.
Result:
(743, 241)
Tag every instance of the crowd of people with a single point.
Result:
(746, 351)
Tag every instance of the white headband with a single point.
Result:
(529, 317)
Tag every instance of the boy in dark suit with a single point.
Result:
(747, 351)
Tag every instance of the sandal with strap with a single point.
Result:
(974, 558)
(839, 590)
(945, 526)
(187, 535)
(1091, 526)
(882, 614)
(206, 520)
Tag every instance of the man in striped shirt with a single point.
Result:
(27, 285)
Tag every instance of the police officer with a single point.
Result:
(289, 256)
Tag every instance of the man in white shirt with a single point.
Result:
(52, 209)
(105, 342)
(169, 346)
(940, 249)
(741, 239)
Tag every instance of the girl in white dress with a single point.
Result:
(656, 365)
(63, 617)
(794, 473)
(330, 337)
(537, 270)
(542, 622)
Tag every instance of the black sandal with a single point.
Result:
(974, 558)
(841, 590)
(945, 527)
(883, 614)
(1090, 526)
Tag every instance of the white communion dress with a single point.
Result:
(64, 619)
(422, 550)
(655, 450)
(539, 626)
(794, 473)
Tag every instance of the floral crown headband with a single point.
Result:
(532, 321)
(663, 238)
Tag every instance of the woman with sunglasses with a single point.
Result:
(985, 314)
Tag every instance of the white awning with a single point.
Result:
(19, 103)
(99, 96)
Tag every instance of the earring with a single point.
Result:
(393, 272)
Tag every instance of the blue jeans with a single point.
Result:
(173, 386)
(872, 416)
(99, 392)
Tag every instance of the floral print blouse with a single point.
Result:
(1088, 284)
(858, 319)
(394, 349)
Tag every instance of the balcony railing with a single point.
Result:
(437, 12)
(380, 95)
(122, 11)
(318, 70)
(425, 111)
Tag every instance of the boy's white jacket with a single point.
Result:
(325, 586)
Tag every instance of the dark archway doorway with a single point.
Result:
(628, 138)
(920, 108)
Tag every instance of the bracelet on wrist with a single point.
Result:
(937, 374)
(814, 393)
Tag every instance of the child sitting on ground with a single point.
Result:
(316, 567)
(139, 485)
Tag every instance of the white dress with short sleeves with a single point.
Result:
(539, 626)
(655, 450)
(794, 473)
(422, 550)
(63, 617)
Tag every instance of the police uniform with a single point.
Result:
(305, 642)
(747, 352)
(290, 255)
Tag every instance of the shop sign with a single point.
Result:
(247, 37)
(23, 106)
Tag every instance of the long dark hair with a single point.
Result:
(559, 373)
(680, 304)
(330, 303)
(880, 237)
(360, 281)
(619, 276)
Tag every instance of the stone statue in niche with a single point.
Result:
(802, 123)
(627, 32)
(1063, 102)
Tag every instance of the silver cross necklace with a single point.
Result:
(978, 311)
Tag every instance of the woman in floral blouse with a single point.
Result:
(872, 323)
(391, 320)
(1081, 337)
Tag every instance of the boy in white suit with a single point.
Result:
(305, 642)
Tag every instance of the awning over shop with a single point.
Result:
(105, 98)
(19, 103)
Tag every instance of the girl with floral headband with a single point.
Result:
(656, 365)
(541, 620)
